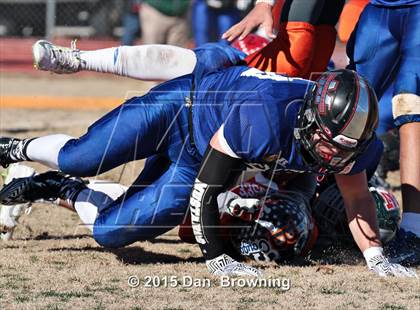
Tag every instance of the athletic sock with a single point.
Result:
(98, 196)
(143, 62)
(45, 149)
(103, 60)
(411, 222)
(87, 203)
(18, 151)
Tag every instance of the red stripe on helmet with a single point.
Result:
(321, 105)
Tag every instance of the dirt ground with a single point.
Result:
(53, 263)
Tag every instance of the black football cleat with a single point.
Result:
(46, 186)
(404, 249)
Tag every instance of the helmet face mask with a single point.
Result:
(339, 115)
(313, 136)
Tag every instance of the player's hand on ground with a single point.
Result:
(382, 267)
(259, 15)
(224, 265)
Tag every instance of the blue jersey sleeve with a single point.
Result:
(251, 131)
(369, 159)
(212, 57)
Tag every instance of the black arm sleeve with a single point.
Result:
(217, 172)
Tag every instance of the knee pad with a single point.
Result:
(406, 108)
(291, 53)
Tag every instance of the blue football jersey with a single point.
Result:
(213, 57)
(258, 111)
(395, 2)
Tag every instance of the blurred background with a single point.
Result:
(104, 23)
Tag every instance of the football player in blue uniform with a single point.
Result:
(199, 132)
(384, 49)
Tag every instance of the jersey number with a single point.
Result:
(266, 75)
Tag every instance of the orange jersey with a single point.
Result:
(301, 48)
(349, 18)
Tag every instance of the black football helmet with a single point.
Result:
(284, 230)
(342, 109)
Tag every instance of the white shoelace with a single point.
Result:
(67, 59)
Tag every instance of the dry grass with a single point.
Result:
(55, 264)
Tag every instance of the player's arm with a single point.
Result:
(259, 15)
(361, 215)
(360, 209)
(218, 171)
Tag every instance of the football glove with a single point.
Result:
(248, 209)
(224, 265)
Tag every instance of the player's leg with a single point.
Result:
(410, 172)
(406, 112)
(140, 128)
(43, 150)
(388, 134)
(146, 212)
(24, 190)
(100, 193)
(385, 118)
(291, 52)
(373, 49)
(374, 53)
(142, 62)
(155, 203)
(325, 37)
(349, 17)
(106, 144)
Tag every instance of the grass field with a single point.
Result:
(53, 263)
